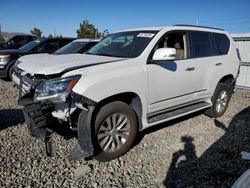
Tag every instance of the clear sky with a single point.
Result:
(64, 16)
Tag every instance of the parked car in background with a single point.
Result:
(129, 81)
(44, 45)
(77, 46)
(16, 42)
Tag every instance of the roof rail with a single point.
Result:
(186, 25)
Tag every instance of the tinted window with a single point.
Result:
(30, 45)
(30, 38)
(70, 48)
(20, 40)
(48, 47)
(222, 43)
(200, 45)
(63, 42)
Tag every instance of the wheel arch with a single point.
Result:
(227, 79)
(130, 98)
(9, 66)
(230, 80)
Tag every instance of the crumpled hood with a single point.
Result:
(48, 64)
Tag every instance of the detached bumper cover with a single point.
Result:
(84, 148)
(38, 118)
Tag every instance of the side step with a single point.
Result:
(169, 115)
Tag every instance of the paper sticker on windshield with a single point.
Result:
(147, 35)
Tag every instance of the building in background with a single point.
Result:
(243, 44)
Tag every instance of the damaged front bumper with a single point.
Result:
(40, 117)
(37, 118)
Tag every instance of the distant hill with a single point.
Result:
(7, 35)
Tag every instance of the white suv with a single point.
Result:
(129, 81)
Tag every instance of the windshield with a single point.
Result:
(72, 47)
(125, 44)
(30, 45)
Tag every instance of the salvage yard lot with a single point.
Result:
(194, 151)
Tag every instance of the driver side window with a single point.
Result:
(175, 40)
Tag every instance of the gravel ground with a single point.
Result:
(195, 151)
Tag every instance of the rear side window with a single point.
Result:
(30, 38)
(222, 43)
(200, 44)
(20, 40)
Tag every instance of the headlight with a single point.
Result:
(4, 58)
(17, 62)
(56, 90)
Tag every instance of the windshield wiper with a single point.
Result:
(103, 54)
(89, 53)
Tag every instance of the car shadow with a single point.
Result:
(220, 165)
(10, 117)
(63, 129)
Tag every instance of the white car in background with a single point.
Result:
(76, 46)
(131, 80)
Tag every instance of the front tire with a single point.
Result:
(115, 131)
(220, 100)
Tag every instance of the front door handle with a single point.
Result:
(218, 64)
(190, 69)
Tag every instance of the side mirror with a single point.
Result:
(162, 54)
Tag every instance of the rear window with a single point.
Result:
(222, 43)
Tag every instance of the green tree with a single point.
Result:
(50, 36)
(36, 32)
(58, 36)
(88, 30)
(104, 33)
(1, 38)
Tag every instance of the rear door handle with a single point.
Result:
(218, 64)
(190, 69)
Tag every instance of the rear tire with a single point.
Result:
(115, 131)
(220, 100)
